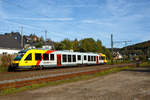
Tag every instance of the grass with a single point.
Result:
(69, 80)
(145, 64)
(118, 61)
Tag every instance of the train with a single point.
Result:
(43, 58)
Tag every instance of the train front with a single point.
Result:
(15, 63)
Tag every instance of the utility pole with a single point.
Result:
(21, 37)
(112, 49)
(45, 35)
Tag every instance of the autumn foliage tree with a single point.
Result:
(84, 45)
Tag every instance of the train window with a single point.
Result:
(29, 57)
(79, 57)
(69, 58)
(45, 56)
(100, 58)
(51, 56)
(94, 58)
(64, 58)
(89, 58)
(74, 58)
(38, 56)
(84, 57)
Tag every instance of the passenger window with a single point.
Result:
(89, 58)
(29, 57)
(51, 56)
(69, 58)
(45, 56)
(94, 58)
(84, 57)
(79, 57)
(74, 58)
(100, 58)
(64, 58)
(38, 56)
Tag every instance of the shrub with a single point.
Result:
(6, 60)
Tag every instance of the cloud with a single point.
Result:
(19, 24)
(79, 6)
(45, 19)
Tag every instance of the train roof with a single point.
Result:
(62, 51)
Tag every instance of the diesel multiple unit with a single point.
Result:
(39, 59)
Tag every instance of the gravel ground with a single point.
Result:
(29, 74)
(125, 85)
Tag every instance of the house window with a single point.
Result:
(29, 57)
(45, 56)
(64, 58)
(38, 56)
(51, 56)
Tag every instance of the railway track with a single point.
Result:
(25, 78)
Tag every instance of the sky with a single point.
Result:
(127, 20)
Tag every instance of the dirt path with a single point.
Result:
(125, 85)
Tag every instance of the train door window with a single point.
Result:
(69, 58)
(94, 58)
(64, 58)
(38, 56)
(45, 56)
(74, 58)
(84, 57)
(79, 57)
(51, 56)
(89, 59)
(29, 57)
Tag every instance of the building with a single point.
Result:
(9, 43)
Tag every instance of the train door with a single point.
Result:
(96, 59)
(59, 60)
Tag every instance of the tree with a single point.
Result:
(75, 45)
(39, 45)
(87, 45)
(67, 44)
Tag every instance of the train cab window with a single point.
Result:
(89, 58)
(45, 56)
(38, 56)
(64, 58)
(94, 58)
(74, 58)
(84, 57)
(79, 57)
(69, 58)
(102, 57)
(29, 57)
(51, 56)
